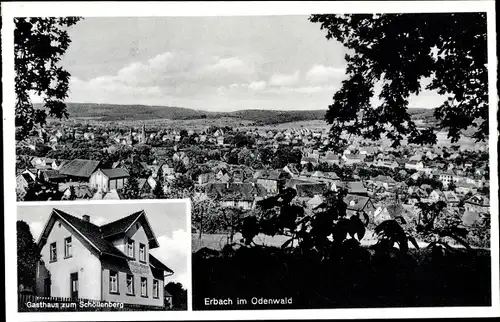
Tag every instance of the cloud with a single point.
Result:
(257, 86)
(231, 65)
(97, 220)
(36, 228)
(164, 78)
(284, 79)
(173, 252)
(319, 74)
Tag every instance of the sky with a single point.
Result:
(207, 63)
(167, 220)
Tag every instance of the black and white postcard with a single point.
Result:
(331, 159)
(75, 257)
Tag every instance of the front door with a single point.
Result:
(74, 285)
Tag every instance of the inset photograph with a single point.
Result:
(103, 257)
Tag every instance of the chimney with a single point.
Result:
(86, 218)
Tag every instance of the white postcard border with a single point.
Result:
(96, 9)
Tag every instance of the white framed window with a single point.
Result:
(130, 285)
(113, 282)
(156, 289)
(130, 248)
(68, 247)
(142, 252)
(53, 252)
(144, 286)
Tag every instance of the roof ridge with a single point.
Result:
(59, 211)
(123, 218)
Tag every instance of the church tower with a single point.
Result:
(143, 133)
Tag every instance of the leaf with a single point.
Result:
(287, 243)
(413, 241)
(356, 227)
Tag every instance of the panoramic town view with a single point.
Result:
(373, 204)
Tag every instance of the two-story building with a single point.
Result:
(109, 179)
(112, 262)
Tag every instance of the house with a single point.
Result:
(308, 190)
(292, 170)
(309, 159)
(464, 188)
(436, 195)
(205, 177)
(314, 202)
(81, 191)
(49, 175)
(111, 262)
(107, 179)
(220, 140)
(331, 158)
(22, 182)
(273, 181)
(145, 185)
(447, 177)
(384, 181)
(387, 164)
(383, 213)
(79, 169)
(42, 162)
(350, 159)
(414, 165)
(477, 203)
(240, 195)
(451, 198)
(359, 204)
(356, 188)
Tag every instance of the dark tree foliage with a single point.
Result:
(158, 189)
(399, 50)
(42, 191)
(28, 255)
(131, 188)
(39, 44)
(179, 295)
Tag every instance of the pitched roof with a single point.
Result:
(90, 232)
(479, 200)
(396, 210)
(115, 173)
(356, 187)
(157, 264)
(385, 179)
(235, 191)
(309, 190)
(79, 168)
(121, 225)
(355, 202)
(98, 236)
(27, 177)
(332, 156)
(272, 175)
(52, 174)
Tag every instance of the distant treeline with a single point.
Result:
(116, 112)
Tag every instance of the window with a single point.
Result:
(130, 248)
(142, 252)
(53, 252)
(67, 247)
(156, 289)
(144, 286)
(130, 285)
(113, 282)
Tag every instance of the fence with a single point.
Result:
(33, 303)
